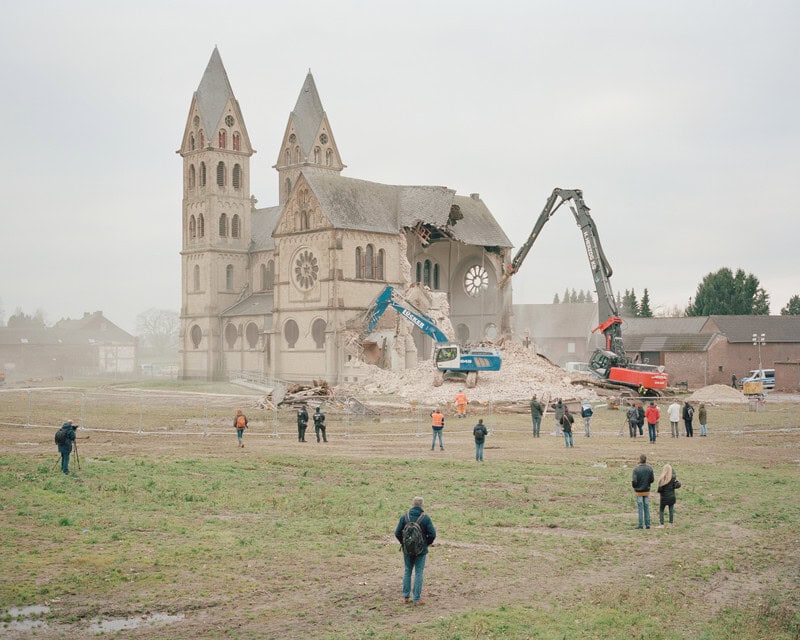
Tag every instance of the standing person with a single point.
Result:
(240, 424)
(537, 410)
(667, 483)
(437, 424)
(414, 560)
(702, 417)
(688, 416)
(567, 420)
(461, 404)
(633, 420)
(586, 414)
(558, 407)
(733, 380)
(674, 413)
(64, 438)
(652, 414)
(319, 424)
(480, 433)
(641, 480)
(640, 417)
(302, 422)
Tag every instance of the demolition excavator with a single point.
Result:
(611, 364)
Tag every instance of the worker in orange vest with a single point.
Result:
(437, 424)
(461, 403)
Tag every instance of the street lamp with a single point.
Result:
(758, 340)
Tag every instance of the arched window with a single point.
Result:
(223, 226)
(220, 174)
(426, 273)
(359, 267)
(317, 155)
(231, 334)
(196, 277)
(192, 227)
(202, 174)
(251, 333)
(304, 220)
(419, 272)
(288, 157)
(288, 187)
(237, 143)
(369, 265)
(237, 176)
(222, 139)
(191, 142)
(270, 282)
(462, 333)
(192, 177)
(291, 333)
(381, 259)
(329, 157)
(235, 226)
(318, 332)
(196, 335)
(263, 271)
(229, 277)
(202, 139)
(201, 226)
(297, 155)
(436, 276)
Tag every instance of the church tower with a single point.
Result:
(307, 142)
(216, 226)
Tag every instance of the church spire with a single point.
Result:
(308, 140)
(213, 93)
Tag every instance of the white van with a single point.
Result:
(765, 376)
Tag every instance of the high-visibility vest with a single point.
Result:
(461, 398)
(437, 419)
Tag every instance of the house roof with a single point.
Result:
(739, 329)
(370, 206)
(653, 326)
(95, 325)
(257, 304)
(671, 343)
(556, 320)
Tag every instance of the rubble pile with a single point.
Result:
(523, 373)
(718, 393)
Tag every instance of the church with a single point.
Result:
(281, 292)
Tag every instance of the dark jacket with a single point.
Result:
(688, 412)
(633, 415)
(668, 490)
(302, 417)
(425, 523)
(480, 432)
(702, 415)
(642, 478)
(640, 414)
(319, 420)
(558, 407)
(566, 422)
(536, 409)
(70, 435)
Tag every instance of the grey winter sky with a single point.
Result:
(679, 121)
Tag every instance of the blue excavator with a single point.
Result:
(450, 358)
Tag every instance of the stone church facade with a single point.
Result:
(280, 291)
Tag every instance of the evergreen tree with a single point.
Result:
(573, 297)
(555, 299)
(565, 299)
(726, 293)
(792, 307)
(581, 296)
(589, 296)
(644, 306)
(630, 307)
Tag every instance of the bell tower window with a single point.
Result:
(202, 174)
(191, 142)
(223, 139)
(237, 143)
(329, 157)
(229, 277)
(192, 177)
(192, 227)
(237, 176)
(220, 174)
(201, 226)
(223, 226)
(196, 277)
(235, 226)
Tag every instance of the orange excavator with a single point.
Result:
(612, 363)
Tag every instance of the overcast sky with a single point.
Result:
(678, 120)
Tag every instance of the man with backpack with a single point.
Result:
(688, 416)
(240, 424)
(415, 532)
(64, 438)
(480, 433)
(302, 423)
(586, 414)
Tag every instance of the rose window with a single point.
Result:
(476, 280)
(306, 270)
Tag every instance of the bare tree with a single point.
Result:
(158, 329)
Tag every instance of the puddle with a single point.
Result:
(26, 612)
(21, 618)
(119, 624)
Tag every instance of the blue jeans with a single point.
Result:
(643, 507)
(703, 430)
(418, 566)
(439, 433)
(479, 450)
(64, 459)
(568, 439)
(537, 425)
(239, 434)
(651, 429)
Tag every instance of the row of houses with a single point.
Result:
(698, 351)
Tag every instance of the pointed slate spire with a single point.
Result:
(308, 114)
(213, 94)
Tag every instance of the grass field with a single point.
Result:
(184, 535)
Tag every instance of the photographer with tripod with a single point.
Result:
(64, 438)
